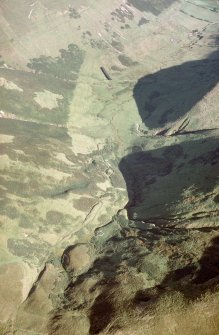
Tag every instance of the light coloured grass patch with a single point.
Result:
(83, 144)
(9, 85)
(47, 99)
(6, 138)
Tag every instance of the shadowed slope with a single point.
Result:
(169, 94)
(172, 182)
